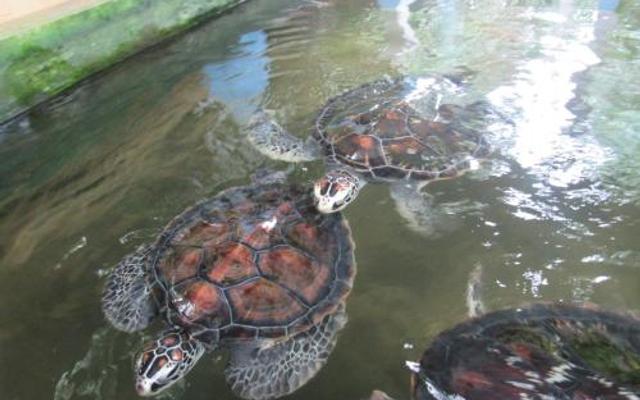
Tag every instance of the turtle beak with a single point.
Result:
(327, 206)
(323, 201)
(144, 388)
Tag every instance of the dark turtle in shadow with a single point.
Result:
(403, 131)
(256, 270)
(544, 351)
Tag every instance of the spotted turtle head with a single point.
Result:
(164, 361)
(335, 190)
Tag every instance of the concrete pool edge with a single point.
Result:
(50, 59)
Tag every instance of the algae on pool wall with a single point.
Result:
(48, 59)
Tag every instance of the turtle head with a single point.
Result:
(164, 361)
(335, 190)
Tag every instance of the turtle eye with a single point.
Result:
(333, 190)
(157, 365)
(324, 187)
(144, 362)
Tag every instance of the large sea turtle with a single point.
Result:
(543, 351)
(256, 270)
(406, 131)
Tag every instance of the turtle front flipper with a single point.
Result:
(418, 210)
(475, 305)
(275, 370)
(166, 360)
(379, 395)
(126, 300)
(272, 140)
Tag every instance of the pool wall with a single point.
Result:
(48, 59)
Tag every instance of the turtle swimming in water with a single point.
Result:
(402, 131)
(543, 351)
(256, 270)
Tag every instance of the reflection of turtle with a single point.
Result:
(540, 352)
(255, 269)
(394, 130)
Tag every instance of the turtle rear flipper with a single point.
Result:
(260, 373)
(126, 300)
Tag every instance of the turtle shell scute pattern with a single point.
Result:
(542, 351)
(255, 261)
(375, 130)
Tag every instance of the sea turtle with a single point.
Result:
(255, 269)
(406, 131)
(543, 351)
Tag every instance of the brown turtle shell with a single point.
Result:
(554, 351)
(374, 130)
(251, 262)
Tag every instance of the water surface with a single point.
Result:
(554, 215)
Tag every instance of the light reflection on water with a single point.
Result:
(553, 217)
(239, 81)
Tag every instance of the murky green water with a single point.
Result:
(553, 217)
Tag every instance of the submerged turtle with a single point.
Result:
(255, 269)
(544, 351)
(391, 130)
